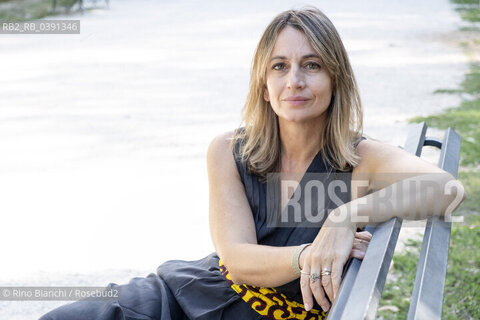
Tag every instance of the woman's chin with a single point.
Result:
(300, 118)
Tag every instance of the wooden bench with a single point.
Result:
(363, 282)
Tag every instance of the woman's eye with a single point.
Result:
(312, 66)
(278, 66)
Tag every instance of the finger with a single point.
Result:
(336, 277)
(357, 246)
(326, 282)
(360, 247)
(306, 291)
(364, 235)
(359, 254)
(363, 245)
(316, 287)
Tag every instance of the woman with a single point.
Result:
(302, 116)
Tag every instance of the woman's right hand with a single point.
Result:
(358, 250)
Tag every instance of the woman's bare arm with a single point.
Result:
(401, 185)
(394, 178)
(232, 226)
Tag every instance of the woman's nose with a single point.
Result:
(295, 79)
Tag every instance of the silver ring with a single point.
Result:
(305, 272)
(326, 272)
(314, 277)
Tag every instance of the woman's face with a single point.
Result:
(298, 87)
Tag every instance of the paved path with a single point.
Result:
(104, 134)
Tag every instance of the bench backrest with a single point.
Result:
(363, 282)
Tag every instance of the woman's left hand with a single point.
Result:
(325, 258)
(360, 244)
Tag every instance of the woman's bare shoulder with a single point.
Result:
(221, 145)
(222, 140)
(220, 154)
(367, 150)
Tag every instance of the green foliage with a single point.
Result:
(23, 10)
(450, 91)
(469, 9)
(466, 2)
(465, 119)
(398, 292)
(462, 289)
(471, 84)
(472, 15)
(470, 29)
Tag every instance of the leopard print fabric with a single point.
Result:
(271, 303)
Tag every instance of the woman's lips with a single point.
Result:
(296, 101)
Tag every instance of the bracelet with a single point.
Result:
(296, 258)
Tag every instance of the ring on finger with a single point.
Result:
(314, 277)
(305, 272)
(326, 272)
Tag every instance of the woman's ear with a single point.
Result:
(266, 96)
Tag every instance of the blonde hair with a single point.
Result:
(260, 139)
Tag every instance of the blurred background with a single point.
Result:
(103, 134)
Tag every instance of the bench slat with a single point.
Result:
(416, 138)
(427, 295)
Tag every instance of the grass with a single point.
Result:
(399, 285)
(465, 118)
(23, 10)
(462, 287)
(469, 9)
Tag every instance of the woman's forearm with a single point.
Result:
(415, 198)
(260, 265)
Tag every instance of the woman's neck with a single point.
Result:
(300, 142)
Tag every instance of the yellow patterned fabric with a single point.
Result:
(271, 303)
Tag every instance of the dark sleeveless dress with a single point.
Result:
(199, 289)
